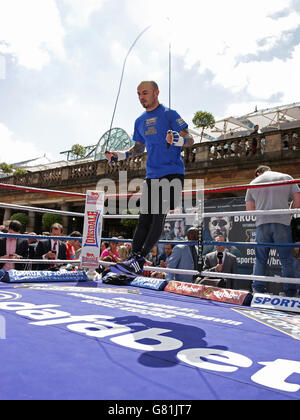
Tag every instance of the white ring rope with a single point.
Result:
(169, 216)
(40, 210)
(32, 261)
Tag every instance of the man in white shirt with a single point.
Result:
(273, 229)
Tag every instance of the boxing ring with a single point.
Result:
(77, 338)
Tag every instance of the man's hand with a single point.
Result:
(50, 255)
(173, 137)
(170, 137)
(219, 268)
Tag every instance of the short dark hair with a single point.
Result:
(75, 234)
(152, 83)
(261, 169)
(15, 225)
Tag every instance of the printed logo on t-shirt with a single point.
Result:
(151, 121)
(151, 131)
(150, 124)
(180, 121)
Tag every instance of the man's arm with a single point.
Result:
(250, 205)
(296, 201)
(208, 266)
(188, 137)
(137, 150)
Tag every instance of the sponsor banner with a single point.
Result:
(92, 229)
(286, 323)
(236, 297)
(16, 276)
(281, 303)
(149, 283)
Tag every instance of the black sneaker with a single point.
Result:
(133, 266)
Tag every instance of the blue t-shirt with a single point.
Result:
(151, 129)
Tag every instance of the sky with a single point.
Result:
(61, 63)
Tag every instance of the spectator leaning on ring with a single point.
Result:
(184, 257)
(273, 229)
(111, 251)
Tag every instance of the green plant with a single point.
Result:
(20, 172)
(203, 120)
(129, 223)
(49, 219)
(23, 218)
(78, 151)
(6, 168)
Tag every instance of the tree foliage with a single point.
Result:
(23, 218)
(49, 219)
(20, 172)
(130, 223)
(78, 151)
(6, 168)
(203, 120)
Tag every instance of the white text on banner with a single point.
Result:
(92, 229)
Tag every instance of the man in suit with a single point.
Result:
(184, 257)
(50, 249)
(13, 248)
(220, 261)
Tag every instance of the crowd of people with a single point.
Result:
(32, 248)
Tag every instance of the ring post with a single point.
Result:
(92, 232)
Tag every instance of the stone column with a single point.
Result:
(7, 214)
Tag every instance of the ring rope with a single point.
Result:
(170, 215)
(41, 210)
(32, 261)
(206, 191)
(227, 244)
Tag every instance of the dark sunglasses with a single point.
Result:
(219, 223)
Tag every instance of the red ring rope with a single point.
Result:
(206, 191)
